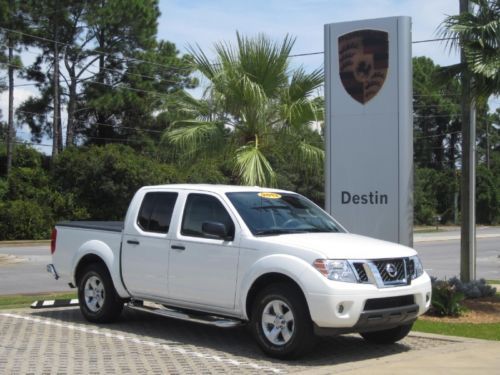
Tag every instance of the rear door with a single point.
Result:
(202, 269)
(146, 246)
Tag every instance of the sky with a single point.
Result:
(191, 22)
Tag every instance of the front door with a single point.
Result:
(203, 269)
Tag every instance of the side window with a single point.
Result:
(156, 212)
(201, 208)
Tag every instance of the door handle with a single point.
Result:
(178, 247)
(133, 242)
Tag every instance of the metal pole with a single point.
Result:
(468, 178)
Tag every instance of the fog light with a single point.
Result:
(341, 309)
(427, 297)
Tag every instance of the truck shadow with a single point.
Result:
(234, 342)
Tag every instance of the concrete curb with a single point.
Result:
(449, 238)
(24, 243)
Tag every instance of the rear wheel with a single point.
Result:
(97, 296)
(281, 323)
(388, 336)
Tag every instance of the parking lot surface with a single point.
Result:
(60, 341)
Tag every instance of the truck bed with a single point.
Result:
(110, 226)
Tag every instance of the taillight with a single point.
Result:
(53, 238)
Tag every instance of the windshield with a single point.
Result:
(269, 213)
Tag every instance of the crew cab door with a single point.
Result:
(203, 269)
(146, 246)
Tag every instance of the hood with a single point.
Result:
(342, 245)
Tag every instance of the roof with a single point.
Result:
(215, 188)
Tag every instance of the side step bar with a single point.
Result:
(208, 319)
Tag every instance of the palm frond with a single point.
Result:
(192, 136)
(310, 155)
(264, 61)
(303, 84)
(253, 168)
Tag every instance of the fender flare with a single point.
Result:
(287, 265)
(104, 252)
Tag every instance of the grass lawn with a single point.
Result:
(485, 331)
(22, 300)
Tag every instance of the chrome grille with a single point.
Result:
(391, 270)
(360, 270)
(384, 272)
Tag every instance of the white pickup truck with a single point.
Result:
(231, 255)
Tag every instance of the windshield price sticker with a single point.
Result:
(269, 195)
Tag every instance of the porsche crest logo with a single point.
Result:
(363, 63)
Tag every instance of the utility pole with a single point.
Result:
(468, 178)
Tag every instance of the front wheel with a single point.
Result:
(281, 323)
(388, 336)
(99, 302)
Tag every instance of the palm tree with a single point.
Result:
(478, 33)
(254, 109)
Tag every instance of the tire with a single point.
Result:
(280, 322)
(99, 302)
(388, 336)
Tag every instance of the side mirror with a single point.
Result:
(216, 230)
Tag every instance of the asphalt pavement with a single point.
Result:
(23, 266)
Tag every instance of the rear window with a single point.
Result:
(156, 212)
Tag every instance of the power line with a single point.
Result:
(117, 86)
(438, 135)
(161, 65)
(104, 68)
(132, 59)
(96, 123)
(413, 42)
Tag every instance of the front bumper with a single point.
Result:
(343, 308)
(375, 320)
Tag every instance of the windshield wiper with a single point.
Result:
(268, 232)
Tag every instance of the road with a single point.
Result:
(442, 258)
(22, 268)
(440, 252)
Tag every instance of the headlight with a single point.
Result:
(334, 269)
(416, 268)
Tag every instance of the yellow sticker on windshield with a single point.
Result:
(269, 195)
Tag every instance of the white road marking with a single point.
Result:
(74, 301)
(48, 302)
(166, 347)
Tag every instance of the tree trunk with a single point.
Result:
(70, 130)
(57, 108)
(10, 125)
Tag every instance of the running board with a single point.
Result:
(208, 319)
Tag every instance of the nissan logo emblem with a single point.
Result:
(391, 270)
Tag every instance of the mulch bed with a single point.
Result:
(479, 310)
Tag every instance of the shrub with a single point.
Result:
(24, 220)
(446, 299)
(473, 289)
(104, 179)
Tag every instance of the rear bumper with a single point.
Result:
(52, 270)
